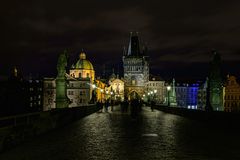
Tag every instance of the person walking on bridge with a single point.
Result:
(112, 104)
(152, 105)
(106, 105)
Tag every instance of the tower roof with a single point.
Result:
(134, 47)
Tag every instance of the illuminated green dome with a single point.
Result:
(83, 63)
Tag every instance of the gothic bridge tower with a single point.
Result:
(135, 67)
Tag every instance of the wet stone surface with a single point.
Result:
(113, 136)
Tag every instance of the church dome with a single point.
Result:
(83, 63)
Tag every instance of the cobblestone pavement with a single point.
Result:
(115, 135)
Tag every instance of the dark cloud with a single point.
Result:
(179, 34)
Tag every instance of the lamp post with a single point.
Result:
(168, 90)
(93, 93)
(154, 96)
(94, 86)
(111, 95)
(101, 91)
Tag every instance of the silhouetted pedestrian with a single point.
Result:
(126, 104)
(152, 105)
(98, 104)
(106, 105)
(112, 104)
(134, 108)
(122, 106)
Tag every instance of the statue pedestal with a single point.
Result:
(62, 103)
(62, 100)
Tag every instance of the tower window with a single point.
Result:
(133, 82)
(87, 75)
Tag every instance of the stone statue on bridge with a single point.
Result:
(62, 64)
(62, 101)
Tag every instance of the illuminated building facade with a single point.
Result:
(156, 89)
(100, 90)
(83, 68)
(232, 95)
(136, 68)
(202, 95)
(78, 92)
(181, 94)
(116, 86)
(187, 95)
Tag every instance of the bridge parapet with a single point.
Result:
(16, 129)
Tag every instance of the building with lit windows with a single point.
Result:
(202, 95)
(231, 95)
(20, 95)
(83, 68)
(49, 94)
(182, 94)
(35, 94)
(156, 89)
(116, 88)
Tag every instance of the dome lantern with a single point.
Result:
(83, 63)
(82, 56)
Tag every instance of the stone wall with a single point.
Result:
(16, 129)
(231, 119)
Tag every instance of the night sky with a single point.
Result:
(180, 34)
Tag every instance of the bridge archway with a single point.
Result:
(133, 95)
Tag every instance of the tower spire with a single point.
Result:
(134, 45)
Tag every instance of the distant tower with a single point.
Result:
(215, 83)
(136, 67)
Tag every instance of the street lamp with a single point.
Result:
(101, 90)
(168, 90)
(154, 96)
(93, 93)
